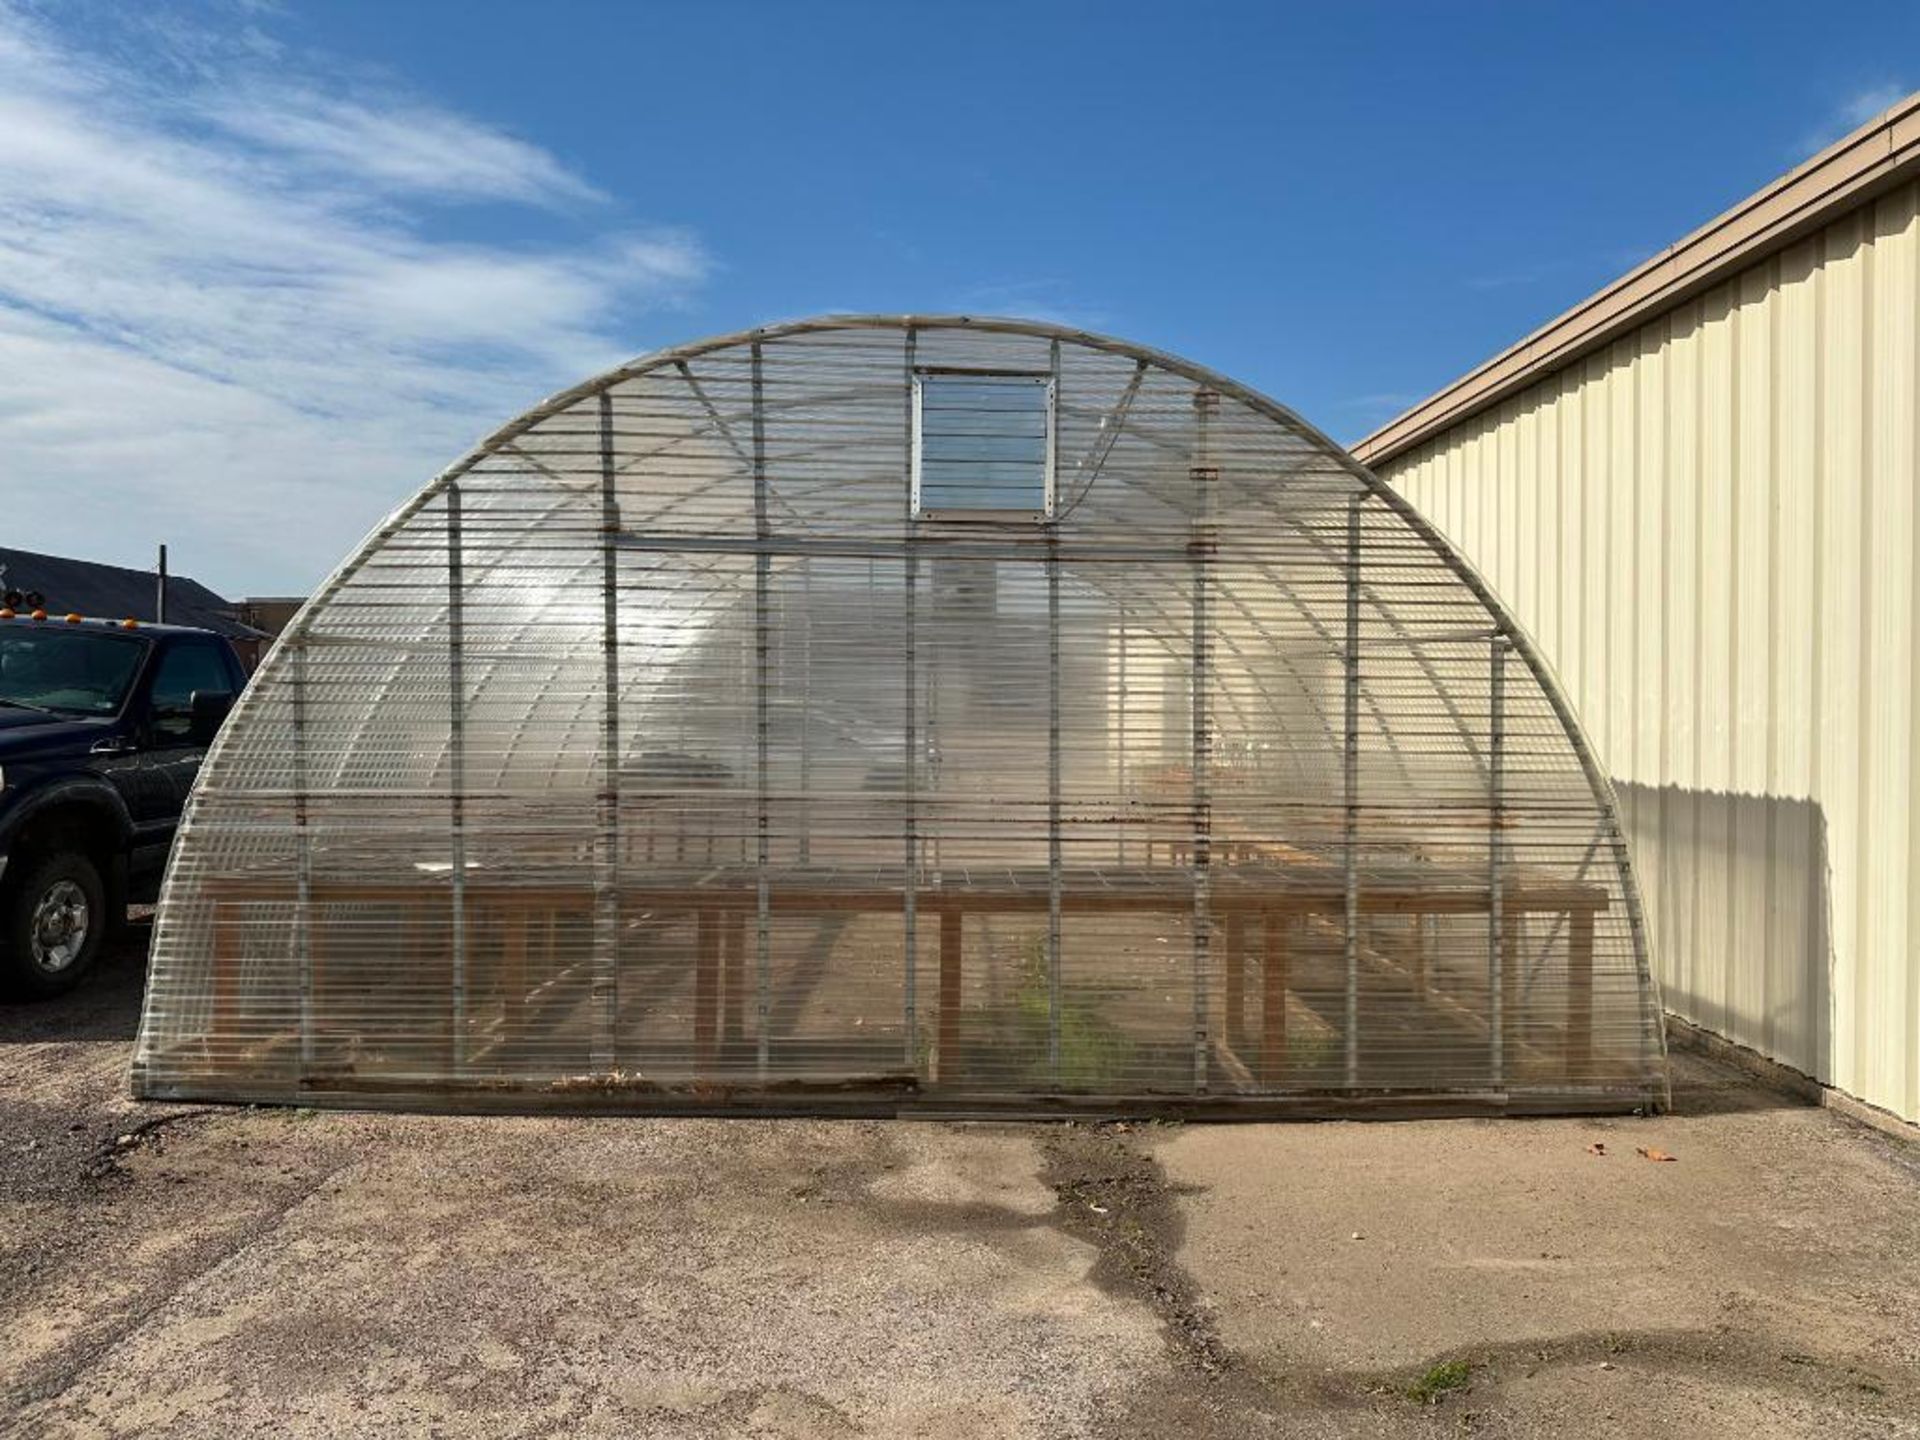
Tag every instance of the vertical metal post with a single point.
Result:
(1350, 848)
(1200, 551)
(1120, 745)
(1053, 755)
(302, 857)
(606, 880)
(1653, 1050)
(762, 677)
(457, 767)
(1496, 843)
(909, 820)
(160, 590)
(805, 818)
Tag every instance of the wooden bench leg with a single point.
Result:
(1579, 995)
(314, 1022)
(1510, 990)
(706, 988)
(424, 930)
(734, 979)
(949, 1047)
(226, 984)
(1273, 1000)
(1236, 977)
(514, 973)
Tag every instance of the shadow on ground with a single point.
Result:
(106, 1005)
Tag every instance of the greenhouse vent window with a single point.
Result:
(982, 446)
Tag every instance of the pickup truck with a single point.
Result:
(103, 725)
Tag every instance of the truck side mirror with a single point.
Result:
(207, 711)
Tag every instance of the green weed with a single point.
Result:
(1440, 1381)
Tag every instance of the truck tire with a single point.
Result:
(53, 918)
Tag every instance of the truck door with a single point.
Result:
(174, 749)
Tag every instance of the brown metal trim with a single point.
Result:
(1883, 153)
(888, 1096)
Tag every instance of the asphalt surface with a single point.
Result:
(193, 1271)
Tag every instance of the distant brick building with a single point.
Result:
(269, 613)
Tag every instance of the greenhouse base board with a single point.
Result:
(853, 1104)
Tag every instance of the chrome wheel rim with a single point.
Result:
(60, 924)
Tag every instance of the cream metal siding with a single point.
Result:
(1709, 527)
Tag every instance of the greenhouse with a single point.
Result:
(880, 714)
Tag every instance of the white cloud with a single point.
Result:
(1853, 112)
(413, 148)
(223, 322)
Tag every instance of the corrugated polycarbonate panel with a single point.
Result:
(1709, 527)
(659, 756)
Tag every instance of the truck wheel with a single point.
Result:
(52, 920)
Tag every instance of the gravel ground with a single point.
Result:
(184, 1271)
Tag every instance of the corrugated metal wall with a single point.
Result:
(1709, 526)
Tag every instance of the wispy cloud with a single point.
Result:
(1849, 115)
(411, 148)
(225, 320)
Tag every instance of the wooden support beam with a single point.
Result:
(1273, 999)
(513, 964)
(1423, 928)
(1236, 976)
(950, 945)
(733, 980)
(1580, 995)
(1510, 990)
(226, 983)
(706, 988)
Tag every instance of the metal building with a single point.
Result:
(877, 713)
(1696, 490)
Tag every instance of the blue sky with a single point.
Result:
(265, 267)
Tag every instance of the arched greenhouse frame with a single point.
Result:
(875, 714)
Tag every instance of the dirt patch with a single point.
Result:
(1118, 1199)
(1113, 1192)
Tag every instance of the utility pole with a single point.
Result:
(160, 596)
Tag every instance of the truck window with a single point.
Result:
(184, 669)
(66, 671)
